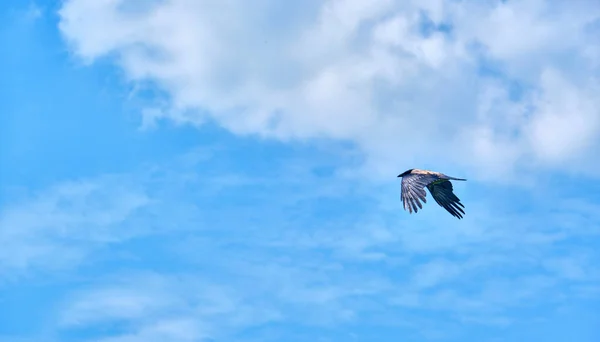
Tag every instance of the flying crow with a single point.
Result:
(414, 182)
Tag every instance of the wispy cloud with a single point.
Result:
(57, 227)
(199, 251)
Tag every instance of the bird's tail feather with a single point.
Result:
(454, 178)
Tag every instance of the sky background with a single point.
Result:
(182, 170)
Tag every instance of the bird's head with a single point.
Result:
(405, 173)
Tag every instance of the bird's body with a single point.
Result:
(414, 182)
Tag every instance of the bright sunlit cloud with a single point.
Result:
(401, 79)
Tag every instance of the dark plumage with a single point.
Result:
(414, 182)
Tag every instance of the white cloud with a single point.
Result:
(58, 227)
(567, 121)
(159, 309)
(434, 272)
(364, 72)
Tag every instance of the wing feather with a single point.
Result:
(413, 190)
(442, 193)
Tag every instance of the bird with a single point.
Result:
(413, 186)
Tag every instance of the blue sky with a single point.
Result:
(185, 171)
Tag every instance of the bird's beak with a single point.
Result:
(398, 175)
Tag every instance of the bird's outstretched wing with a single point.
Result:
(413, 190)
(441, 191)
